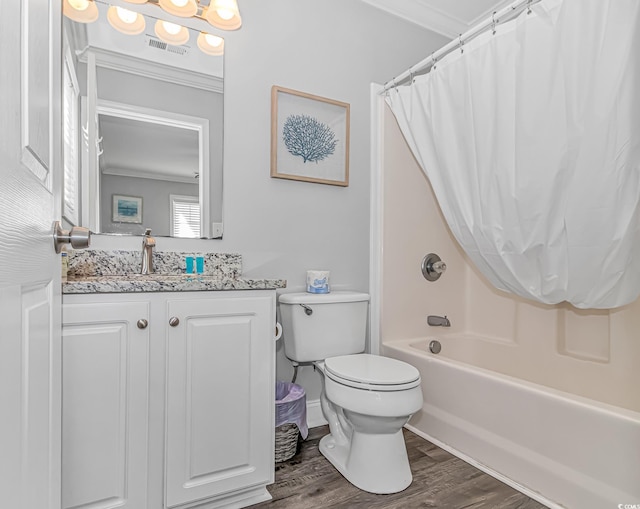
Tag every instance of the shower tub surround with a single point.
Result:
(118, 271)
(558, 448)
(542, 397)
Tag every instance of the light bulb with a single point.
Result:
(213, 40)
(126, 15)
(225, 14)
(82, 11)
(126, 21)
(182, 8)
(171, 33)
(79, 5)
(211, 44)
(171, 28)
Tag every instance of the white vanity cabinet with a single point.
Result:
(177, 415)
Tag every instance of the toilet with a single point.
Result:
(366, 399)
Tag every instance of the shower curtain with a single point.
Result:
(530, 138)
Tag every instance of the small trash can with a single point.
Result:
(291, 419)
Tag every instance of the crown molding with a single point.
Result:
(499, 5)
(427, 16)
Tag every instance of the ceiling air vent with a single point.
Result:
(154, 42)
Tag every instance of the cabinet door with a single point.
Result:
(105, 402)
(220, 397)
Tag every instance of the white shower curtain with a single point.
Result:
(531, 141)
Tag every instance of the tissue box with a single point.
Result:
(318, 281)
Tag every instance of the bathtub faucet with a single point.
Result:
(438, 321)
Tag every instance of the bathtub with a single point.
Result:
(562, 450)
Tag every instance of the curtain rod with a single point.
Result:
(510, 11)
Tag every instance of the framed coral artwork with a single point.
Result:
(309, 137)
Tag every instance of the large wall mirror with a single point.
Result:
(143, 128)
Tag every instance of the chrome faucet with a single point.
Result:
(148, 243)
(438, 321)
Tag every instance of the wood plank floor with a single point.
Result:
(440, 480)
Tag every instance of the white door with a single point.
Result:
(30, 162)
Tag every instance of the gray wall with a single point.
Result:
(334, 49)
(156, 206)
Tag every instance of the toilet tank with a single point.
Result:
(319, 326)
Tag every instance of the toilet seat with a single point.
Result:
(371, 372)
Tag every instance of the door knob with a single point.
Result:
(78, 237)
(142, 323)
(174, 321)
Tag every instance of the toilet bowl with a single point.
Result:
(366, 399)
(366, 415)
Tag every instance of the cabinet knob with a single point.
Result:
(174, 321)
(142, 323)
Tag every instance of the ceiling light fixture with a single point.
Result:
(82, 11)
(171, 33)
(126, 21)
(222, 14)
(211, 44)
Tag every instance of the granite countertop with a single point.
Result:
(164, 283)
(117, 271)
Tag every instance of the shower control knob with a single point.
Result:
(439, 267)
(433, 267)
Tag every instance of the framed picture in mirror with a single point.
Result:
(309, 137)
(126, 209)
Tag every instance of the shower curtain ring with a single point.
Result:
(434, 61)
(493, 23)
(411, 76)
(529, 6)
(461, 42)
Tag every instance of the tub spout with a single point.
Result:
(438, 321)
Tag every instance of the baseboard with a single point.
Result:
(314, 414)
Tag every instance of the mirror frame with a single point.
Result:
(131, 112)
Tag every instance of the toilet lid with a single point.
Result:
(372, 371)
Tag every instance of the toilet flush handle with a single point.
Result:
(307, 309)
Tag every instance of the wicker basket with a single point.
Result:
(286, 442)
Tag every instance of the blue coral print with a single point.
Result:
(306, 137)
